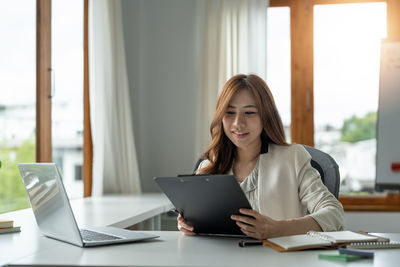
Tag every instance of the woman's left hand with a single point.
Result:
(257, 225)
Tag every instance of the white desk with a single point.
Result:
(171, 249)
(175, 249)
(119, 211)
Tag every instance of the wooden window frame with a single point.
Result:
(43, 81)
(44, 92)
(302, 87)
(87, 132)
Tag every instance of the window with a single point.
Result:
(67, 101)
(278, 61)
(346, 86)
(26, 94)
(307, 88)
(17, 98)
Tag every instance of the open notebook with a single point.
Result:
(317, 240)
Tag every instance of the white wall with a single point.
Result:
(161, 50)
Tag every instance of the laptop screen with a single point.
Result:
(49, 201)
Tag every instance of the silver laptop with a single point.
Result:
(54, 215)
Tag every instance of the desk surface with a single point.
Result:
(176, 249)
(171, 249)
(119, 211)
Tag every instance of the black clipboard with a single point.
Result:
(206, 201)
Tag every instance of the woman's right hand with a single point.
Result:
(184, 227)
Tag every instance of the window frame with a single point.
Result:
(44, 87)
(43, 81)
(87, 132)
(302, 90)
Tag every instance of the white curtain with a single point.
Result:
(115, 167)
(234, 42)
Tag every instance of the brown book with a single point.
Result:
(6, 224)
(312, 240)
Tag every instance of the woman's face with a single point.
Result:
(242, 121)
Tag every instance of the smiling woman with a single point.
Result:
(248, 141)
(266, 117)
(242, 125)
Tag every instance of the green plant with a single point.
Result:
(12, 192)
(357, 129)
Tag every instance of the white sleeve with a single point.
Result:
(324, 208)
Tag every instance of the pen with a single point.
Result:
(365, 254)
(175, 211)
(249, 243)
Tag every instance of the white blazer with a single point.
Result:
(289, 186)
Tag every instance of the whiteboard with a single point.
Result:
(388, 125)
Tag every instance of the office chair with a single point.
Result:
(323, 163)
(327, 168)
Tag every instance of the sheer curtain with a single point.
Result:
(234, 42)
(115, 166)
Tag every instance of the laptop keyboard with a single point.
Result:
(88, 235)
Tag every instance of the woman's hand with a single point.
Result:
(257, 226)
(184, 227)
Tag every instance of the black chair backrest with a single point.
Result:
(327, 168)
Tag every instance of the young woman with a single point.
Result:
(248, 141)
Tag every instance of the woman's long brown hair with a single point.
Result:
(222, 151)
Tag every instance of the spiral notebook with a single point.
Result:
(311, 240)
(375, 245)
